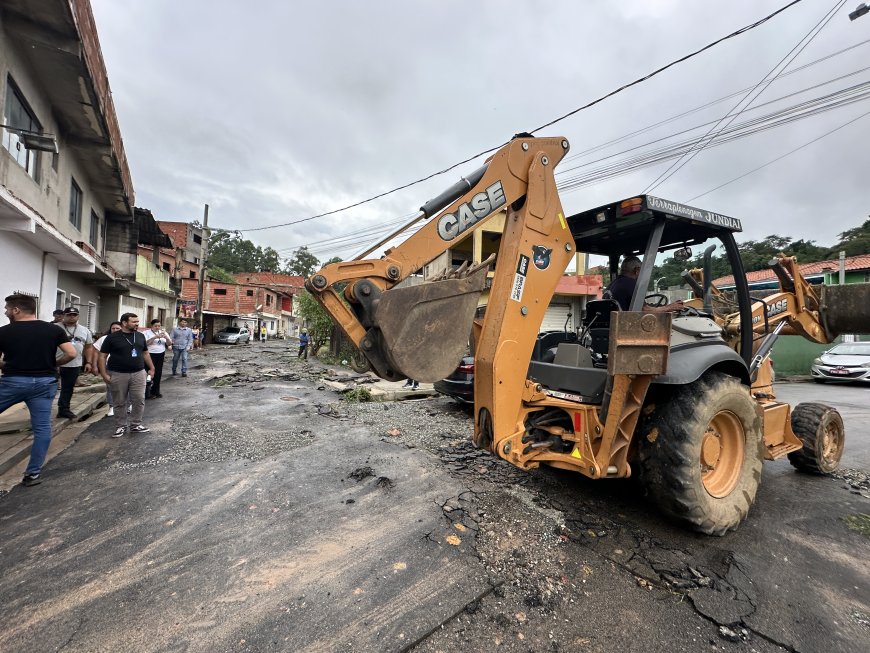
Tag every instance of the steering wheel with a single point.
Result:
(661, 300)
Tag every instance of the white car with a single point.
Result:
(848, 361)
(233, 335)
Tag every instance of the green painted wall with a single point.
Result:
(792, 355)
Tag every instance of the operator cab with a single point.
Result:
(646, 226)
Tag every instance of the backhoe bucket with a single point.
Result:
(424, 329)
(846, 309)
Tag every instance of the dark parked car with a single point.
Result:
(460, 384)
(848, 361)
(233, 335)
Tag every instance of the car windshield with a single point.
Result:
(231, 330)
(852, 349)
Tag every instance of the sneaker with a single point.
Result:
(174, 373)
(157, 396)
(184, 374)
(139, 428)
(66, 413)
(407, 385)
(31, 479)
(119, 432)
(111, 412)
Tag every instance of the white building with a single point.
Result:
(55, 205)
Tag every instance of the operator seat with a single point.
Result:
(597, 321)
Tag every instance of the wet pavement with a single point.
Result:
(264, 513)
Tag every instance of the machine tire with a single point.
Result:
(687, 427)
(818, 380)
(359, 363)
(820, 430)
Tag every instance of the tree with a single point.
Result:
(317, 321)
(219, 274)
(233, 253)
(853, 241)
(303, 263)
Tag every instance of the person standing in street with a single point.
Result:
(182, 343)
(57, 316)
(157, 340)
(262, 333)
(95, 362)
(303, 344)
(83, 341)
(28, 346)
(124, 358)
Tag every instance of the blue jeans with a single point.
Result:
(176, 354)
(38, 393)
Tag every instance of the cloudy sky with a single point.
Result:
(273, 111)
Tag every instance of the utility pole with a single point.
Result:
(202, 268)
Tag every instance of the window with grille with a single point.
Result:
(95, 229)
(17, 114)
(75, 205)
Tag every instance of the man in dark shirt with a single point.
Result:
(622, 288)
(123, 359)
(29, 346)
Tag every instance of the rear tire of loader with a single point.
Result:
(700, 451)
(820, 430)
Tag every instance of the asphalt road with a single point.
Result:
(261, 515)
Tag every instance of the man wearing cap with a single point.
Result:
(83, 341)
(57, 316)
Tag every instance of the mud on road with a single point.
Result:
(265, 513)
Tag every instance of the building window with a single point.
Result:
(60, 301)
(167, 267)
(268, 300)
(193, 274)
(75, 300)
(220, 291)
(249, 293)
(197, 239)
(75, 205)
(92, 316)
(18, 115)
(95, 229)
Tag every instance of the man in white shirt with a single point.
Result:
(83, 341)
(157, 340)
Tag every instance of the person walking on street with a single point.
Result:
(28, 346)
(303, 344)
(123, 359)
(262, 333)
(114, 327)
(182, 343)
(83, 341)
(157, 340)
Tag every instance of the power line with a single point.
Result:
(779, 158)
(686, 158)
(640, 80)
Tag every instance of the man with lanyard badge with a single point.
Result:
(83, 341)
(125, 373)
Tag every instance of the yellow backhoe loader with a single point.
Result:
(683, 397)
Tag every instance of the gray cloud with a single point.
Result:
(272, 111)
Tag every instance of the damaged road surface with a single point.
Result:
(242, 524)
(264, 513)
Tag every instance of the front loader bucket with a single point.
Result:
(424, 329)
(846, 309)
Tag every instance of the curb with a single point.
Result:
(21, 450)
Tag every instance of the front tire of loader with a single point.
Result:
(820, 430)
(700, 452)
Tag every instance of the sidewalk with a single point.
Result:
(16, 436)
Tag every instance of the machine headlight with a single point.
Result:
(817, 361)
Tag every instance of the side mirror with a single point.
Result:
(683, 254)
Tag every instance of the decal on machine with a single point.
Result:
(541, 256)
(520, 278)
(450, 225)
